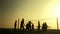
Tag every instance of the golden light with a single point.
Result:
(56, 14)
(56, 11)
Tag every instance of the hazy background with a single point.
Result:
(34, 10)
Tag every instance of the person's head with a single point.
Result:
(29, 22)
(38, 22)
(22, 19)
(15, 21)
(45, 22)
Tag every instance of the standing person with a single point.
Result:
(22, 24)
(38, 25)
(15, 24)
(18, 23)
(44, 27)
(32, 26)
(27, 26)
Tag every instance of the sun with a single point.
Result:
(56, 11)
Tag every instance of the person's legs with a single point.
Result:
(23, 27)
(20, 27)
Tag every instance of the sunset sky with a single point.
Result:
(35, 10)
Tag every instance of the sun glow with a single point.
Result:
(56, 11)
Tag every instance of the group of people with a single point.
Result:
(30, 25)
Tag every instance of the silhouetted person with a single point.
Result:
(38, 25)
(15, 25)
(32, 26)
(22, 24)
(44, 27)
(18, 23)
(27, 26)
